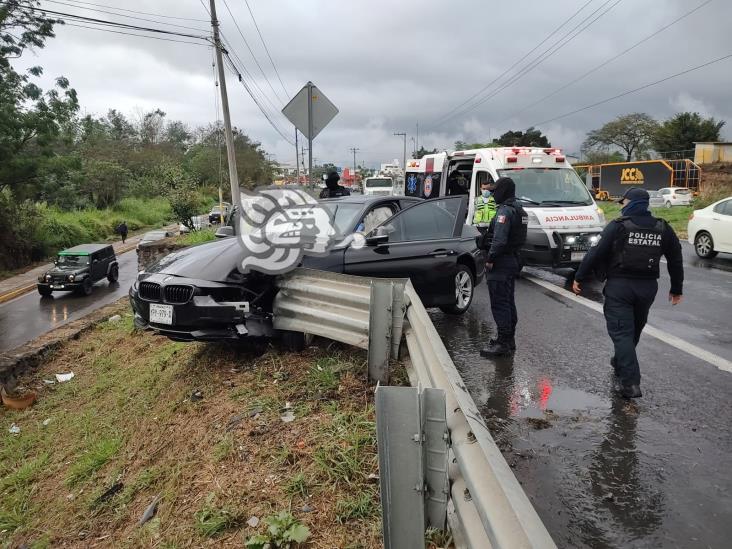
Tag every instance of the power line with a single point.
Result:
(67, 24)
(139, 12)
(628, 92)
(556, 30)
(226, 5)
(267, 49)
(118, 24)
(607, 61)
(127, 16)
(546, 54)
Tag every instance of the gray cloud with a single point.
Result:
(389, 65)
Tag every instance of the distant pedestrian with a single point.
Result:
(332, 188)
(122, 230)
(503, 264)
(628, 256)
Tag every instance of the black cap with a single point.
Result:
(635, 193)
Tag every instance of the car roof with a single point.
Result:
(84, 249)
(367, 199)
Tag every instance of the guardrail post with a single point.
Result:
(380, 325)
(411, 433)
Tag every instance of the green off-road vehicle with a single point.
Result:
(78, 268)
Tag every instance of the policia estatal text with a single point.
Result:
(628, 254)
(506, 234)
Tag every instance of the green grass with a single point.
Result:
(297, 485)
(211, 521)
(93, 460)
(360, 506)
(197, 237)
(677, 216)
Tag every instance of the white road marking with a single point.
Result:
(702, 354)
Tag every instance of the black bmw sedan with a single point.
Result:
(199, 293)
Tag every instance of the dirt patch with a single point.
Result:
(229, 441)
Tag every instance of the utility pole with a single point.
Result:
(228, 134)
(417, 145)
(404, 158)
(354, 150)
(310, 131)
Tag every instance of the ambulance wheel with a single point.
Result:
(464, 289)
(704, 245)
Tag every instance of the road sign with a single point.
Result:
(323, 111)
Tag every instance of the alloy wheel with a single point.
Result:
(463, 289)
(703, 245)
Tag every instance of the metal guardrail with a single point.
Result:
(488, 508)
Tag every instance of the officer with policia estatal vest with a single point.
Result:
(628, 255)
(507, 234)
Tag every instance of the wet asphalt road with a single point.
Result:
(602, 472)
(29, 316)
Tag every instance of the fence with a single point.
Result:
(488, 508)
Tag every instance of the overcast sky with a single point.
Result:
(390, 65)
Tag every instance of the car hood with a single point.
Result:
(58, 270)
(209, 261)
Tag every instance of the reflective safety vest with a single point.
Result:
(638, 250)
(484, 210)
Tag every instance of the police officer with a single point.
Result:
(628, 254)
(508, 231)
(485, 205)
(332, 188)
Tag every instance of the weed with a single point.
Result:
(323, 376)
(435, 538)
(297, 485)
(24, 475)
(95, 458)
(197, 237)
(211, 520)
(283, 530)
(224, 448)
(13, 513)
(362, 505)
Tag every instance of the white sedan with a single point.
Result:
(710, 229)
(675, 196)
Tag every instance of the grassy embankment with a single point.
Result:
(677, 216)
(197, 237)
(220, 436)
(50, 229)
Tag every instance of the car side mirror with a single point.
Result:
(377, 239)
(224, 231)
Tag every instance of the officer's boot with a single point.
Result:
(512, 343)
(497, 347)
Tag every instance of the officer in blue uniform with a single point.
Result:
(507, 234)
(628, 255)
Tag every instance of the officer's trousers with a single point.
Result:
(627, 302)
(503, 305)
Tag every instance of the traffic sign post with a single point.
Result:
(310, 111)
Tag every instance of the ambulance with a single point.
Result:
(563, 219)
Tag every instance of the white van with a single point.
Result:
(564, 220)
(378, 186)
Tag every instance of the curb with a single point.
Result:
(17, 292)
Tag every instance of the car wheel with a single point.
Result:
(44, 291)
(667, 205)
(464, 289)
(113, 275)
(294, 342)
(86, 287)
(704, 245)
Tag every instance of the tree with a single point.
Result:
(530, 138)
(422, 151)
(676, 136)
(631, 133)
(602, 157)
(464, 146)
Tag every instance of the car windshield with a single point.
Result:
(72, 260)
(681, 191)
(379, 183)
(345, 215)
(654, 194)
(548, 186)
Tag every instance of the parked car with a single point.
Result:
(199, 222)
(710, 229)
(219, 211)
(656, 199)
(78, 268)
(152, 236)
(199, 294)
(675, 196)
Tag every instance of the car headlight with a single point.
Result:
(571, 239)
(594, 239)
(48, 278)
(71, 277)
(533, 219)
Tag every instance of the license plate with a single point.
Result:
(577, 256)
(57, 286)
(161, 314)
